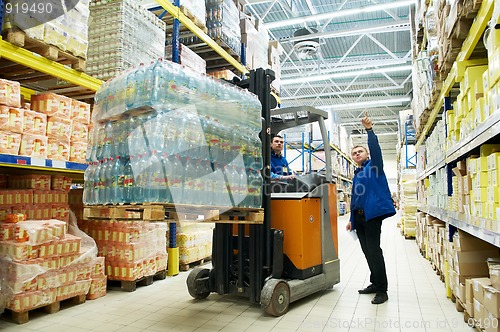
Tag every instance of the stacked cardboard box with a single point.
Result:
(56, 127)
(37, 196)
(42, 263)
(98, 282)
(188, 58)
(408, 202)
(132, 248)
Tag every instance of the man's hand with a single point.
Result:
(366, 122)
(348, 227)
(288, 177)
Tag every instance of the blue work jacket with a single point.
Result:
(279, 166)
(370, 190)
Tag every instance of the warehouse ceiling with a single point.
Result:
(362, 63)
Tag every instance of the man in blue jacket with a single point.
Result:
(371, 203)
(280, 170)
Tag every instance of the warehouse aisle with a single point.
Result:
(416, 302)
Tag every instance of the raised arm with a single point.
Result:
(373, 145)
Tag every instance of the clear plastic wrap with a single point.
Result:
(50, 265)
(117, 35)
(132, 249)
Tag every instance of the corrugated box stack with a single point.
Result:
(56, 127)
(408, 202)
(132, 248)
(37, 196)
(188, 58)
(42, 262)
(66, 30)
(117, 35)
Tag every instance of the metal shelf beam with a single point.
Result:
(49, 67)
(176, 13)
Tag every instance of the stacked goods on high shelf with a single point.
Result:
(274, 53)
(222, 74)
(433, 191)
(118, 32)
(43, 264)
(133, 246)
(195, 10)
(52, 23)
(56, 127)
(188, 58)
(37, 196)
(222, 21)
(435, 145)
(408, 202)
(256, 42)
(194, 241)
(424, 82)
(148, 146)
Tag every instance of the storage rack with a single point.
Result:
(482, 133)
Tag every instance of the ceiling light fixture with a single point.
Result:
(366, 104)
(344, 74)
(340, 13)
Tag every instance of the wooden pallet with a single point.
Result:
(187, 266)
(169, 20)
(130, 212)
(131, 286)
(52, 308)
(235, 215)
(19, 38)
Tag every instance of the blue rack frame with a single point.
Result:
(410, 160)
(11, 160)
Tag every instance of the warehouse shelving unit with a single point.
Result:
(482, 228)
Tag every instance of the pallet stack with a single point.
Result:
(42, 265)
(132, 240)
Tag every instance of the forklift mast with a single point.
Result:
(242, 255)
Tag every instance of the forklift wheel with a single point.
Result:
(197, 288)
(280, 300)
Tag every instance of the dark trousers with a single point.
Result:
(369, 237)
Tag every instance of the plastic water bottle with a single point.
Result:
(140, 75)
(128, 181)
(96, 183)
(158, 90)
(131, 91)
(169, 130)
(254, 188)
(189, 193)
(165, 195)
(242, 187)
(100, 138)
(118, 195)
(208, 182)
(110, 183)
(137, 191)
(102, 182)
(146, 87)
(177, 179)
(108, 141)
(153, 174)
(88, 184)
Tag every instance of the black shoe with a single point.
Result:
(368, 290)
(380, 298)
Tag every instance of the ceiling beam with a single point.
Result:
(402, 25)
(340, 13)
(345, 92)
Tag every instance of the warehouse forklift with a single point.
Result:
(294, 252)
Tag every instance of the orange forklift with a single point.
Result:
(294, 252)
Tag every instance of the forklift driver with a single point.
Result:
(280, 171)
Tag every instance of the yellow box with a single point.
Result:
(492, 210)
(450, 115)
(480, 180)
(481, 194)
(493, 160)
(471, 165)
(471, 99)
(473, 74)
(494, 60)
(493, 193)
(486, 149)
(479, 111)
(494, 177)
(464, 105)
(486, 81)
(482, 164)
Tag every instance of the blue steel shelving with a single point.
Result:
(41, 164)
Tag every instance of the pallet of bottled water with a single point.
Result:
(165, 134)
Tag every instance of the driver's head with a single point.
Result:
(277, 143)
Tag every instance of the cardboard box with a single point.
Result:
(478, 285)
(469, 290)
(10, 143)
(463, 241)
(492, 301)
(478, 311)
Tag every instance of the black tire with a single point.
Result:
(280, 300)
(191, 282)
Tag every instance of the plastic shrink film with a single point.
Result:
(194, 241)
(163, 133)
(67, 30)
(41, 263)
(117, 35)
(196, 8)
(132, 248)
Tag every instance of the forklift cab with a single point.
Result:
(293, 252)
